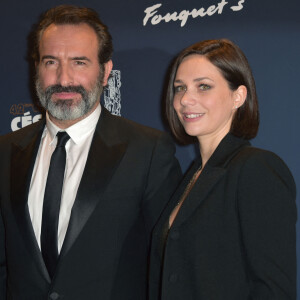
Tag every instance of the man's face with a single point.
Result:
(69, 79)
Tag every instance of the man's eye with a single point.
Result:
(204, 87)
(49, 62)
(179, 88)
(80, 63)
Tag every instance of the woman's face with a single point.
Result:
(203, 101)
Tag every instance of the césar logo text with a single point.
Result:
(25, 114)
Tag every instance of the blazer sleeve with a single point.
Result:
(2, 261)
(267, 212)
(163, 177)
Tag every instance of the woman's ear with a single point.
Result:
(240, 95)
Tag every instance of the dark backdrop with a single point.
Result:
(267, 31)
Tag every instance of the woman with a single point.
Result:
(228, 233)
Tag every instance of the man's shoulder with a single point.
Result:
(23, 133)
(131, 129)
(138, 128)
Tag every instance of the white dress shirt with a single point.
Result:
(77, 149)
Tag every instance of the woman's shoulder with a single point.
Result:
(257, 156)
(259, 164)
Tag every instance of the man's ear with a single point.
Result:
(107, 69)
(240, 95)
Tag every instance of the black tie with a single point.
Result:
(51, 203)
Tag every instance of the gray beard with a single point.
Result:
(65, 109)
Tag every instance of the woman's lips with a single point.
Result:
(192, 116)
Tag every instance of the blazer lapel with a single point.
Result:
(205, 183)
(101, 164)
(22, 163)
(214, 170)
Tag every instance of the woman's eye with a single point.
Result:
(204, 87)
(179, 88)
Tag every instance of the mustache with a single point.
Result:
(57, 88)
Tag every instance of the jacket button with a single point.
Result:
(173, 278)
(175, 235)
(54, 296)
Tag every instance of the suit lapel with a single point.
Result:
(101, 164)
(22, 163)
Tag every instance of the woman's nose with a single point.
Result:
(188, 98)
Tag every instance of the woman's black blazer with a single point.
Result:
(234, 236)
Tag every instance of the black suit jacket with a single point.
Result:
(128, 178)
(234, 236)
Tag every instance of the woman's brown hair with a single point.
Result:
(234, 67)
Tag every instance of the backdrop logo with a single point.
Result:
(24, 114)
(151, 13)
(112, 93)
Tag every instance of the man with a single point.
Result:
(112, 177)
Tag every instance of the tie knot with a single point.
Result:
(62, 138)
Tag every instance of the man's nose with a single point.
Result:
(65, 75)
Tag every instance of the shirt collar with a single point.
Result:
(79, 130)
